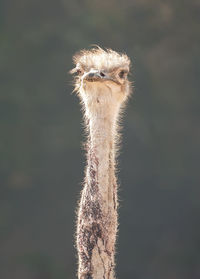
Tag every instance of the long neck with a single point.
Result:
(101, 151)
(97, 216)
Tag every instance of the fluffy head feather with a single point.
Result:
(101, 70)
(100, 59)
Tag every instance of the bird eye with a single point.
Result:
(122, 74)
(79, 71)
(102, 74)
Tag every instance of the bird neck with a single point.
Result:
(103, 133)
(97, 221)
(101, 155)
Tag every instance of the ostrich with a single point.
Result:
(102, 86)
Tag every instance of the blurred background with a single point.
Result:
(42, 163)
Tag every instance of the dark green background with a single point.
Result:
(41, 130)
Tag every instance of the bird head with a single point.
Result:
(101, 74)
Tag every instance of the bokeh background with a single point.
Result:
(42, 163)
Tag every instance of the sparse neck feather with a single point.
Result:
(102, 127)
(99, 196)
(101, 112)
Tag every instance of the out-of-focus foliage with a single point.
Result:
(41, 160)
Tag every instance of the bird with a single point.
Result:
(102, 85)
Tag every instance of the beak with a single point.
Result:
(93, 76)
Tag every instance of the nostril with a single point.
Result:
(91, 75)
(102, 74)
